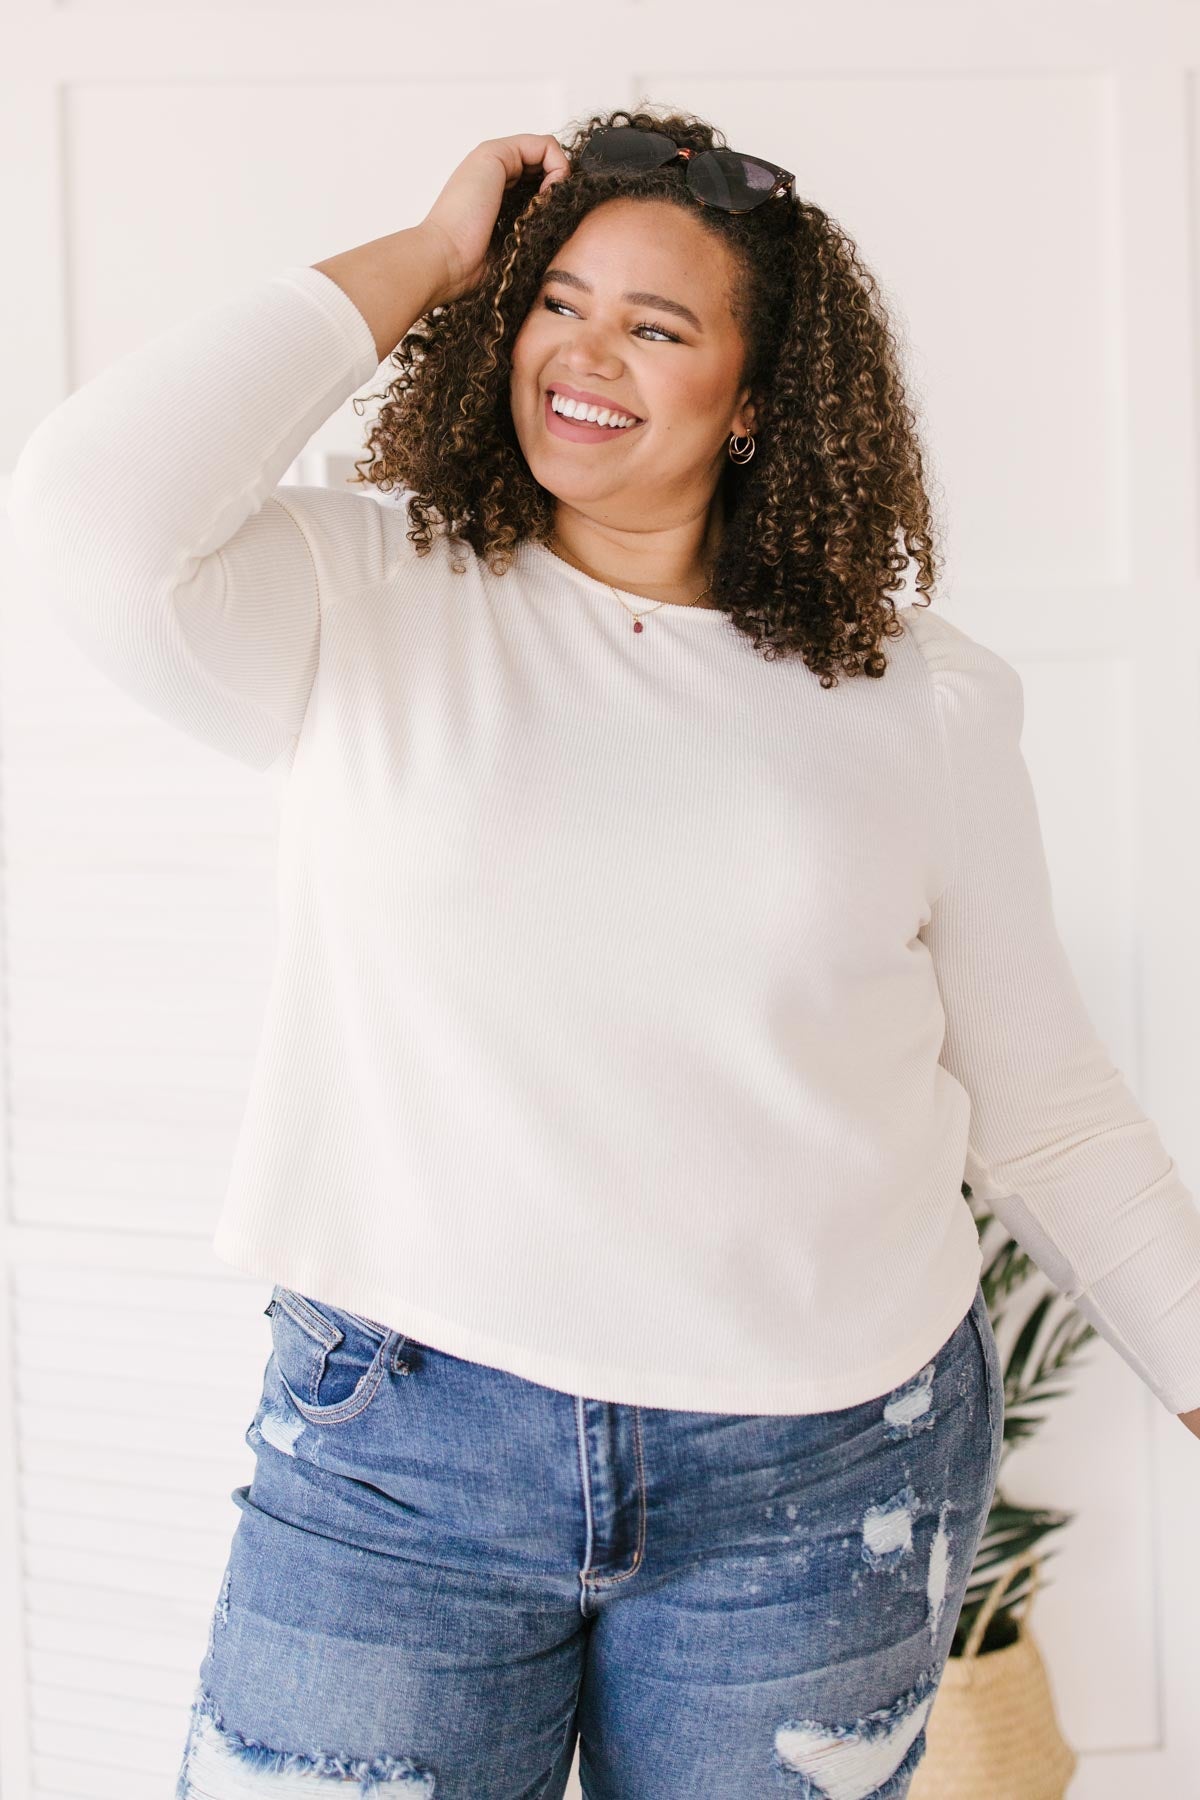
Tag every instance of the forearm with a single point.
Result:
(392, 280)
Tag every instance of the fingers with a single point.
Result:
(543, 152)
(528, 150)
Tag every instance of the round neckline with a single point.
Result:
(642, 603)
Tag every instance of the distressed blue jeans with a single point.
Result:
(443, 1575)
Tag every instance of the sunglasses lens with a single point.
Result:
(726, 178)
(722, 178)
(626, 147)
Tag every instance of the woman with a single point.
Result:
(655, 956)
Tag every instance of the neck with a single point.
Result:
(672, 563)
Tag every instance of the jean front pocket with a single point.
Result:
(331, 1363)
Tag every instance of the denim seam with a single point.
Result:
(599, 1581)
(996, 1438)
(581, 1456)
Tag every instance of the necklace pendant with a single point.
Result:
(637, 624)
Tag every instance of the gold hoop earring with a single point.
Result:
(744, 451)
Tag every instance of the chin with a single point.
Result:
(566, 484)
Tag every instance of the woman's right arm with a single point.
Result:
(146, 505)
(147, 512)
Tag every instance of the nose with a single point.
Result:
(591, 352)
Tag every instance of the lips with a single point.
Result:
(572, 431)
(570, 393)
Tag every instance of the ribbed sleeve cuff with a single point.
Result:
(340, 310)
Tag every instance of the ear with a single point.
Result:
(744, 418)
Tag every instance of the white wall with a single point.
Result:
(1022, 180)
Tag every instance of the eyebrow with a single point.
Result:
(637, 298)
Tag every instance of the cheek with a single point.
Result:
(528, 352)
(689, 401)
(517, 356)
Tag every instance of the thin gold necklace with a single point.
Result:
(637, 616)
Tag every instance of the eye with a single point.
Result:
(645, 325)
(642, 325)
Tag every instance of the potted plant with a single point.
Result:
(992, 1729)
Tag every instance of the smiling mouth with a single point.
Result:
(624, 411)
(583, 431)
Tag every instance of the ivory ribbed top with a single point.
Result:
(640, 1006)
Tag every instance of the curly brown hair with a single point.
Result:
(809, 551)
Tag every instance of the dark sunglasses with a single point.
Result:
(724, 178)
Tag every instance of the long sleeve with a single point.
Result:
(146, 512)
(1058, 1147)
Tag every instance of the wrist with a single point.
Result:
(440, 259)
(392, 280)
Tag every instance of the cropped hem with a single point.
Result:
(625, 1387)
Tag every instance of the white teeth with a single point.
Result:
(595, 415)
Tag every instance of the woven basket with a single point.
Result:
(992, 1729)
